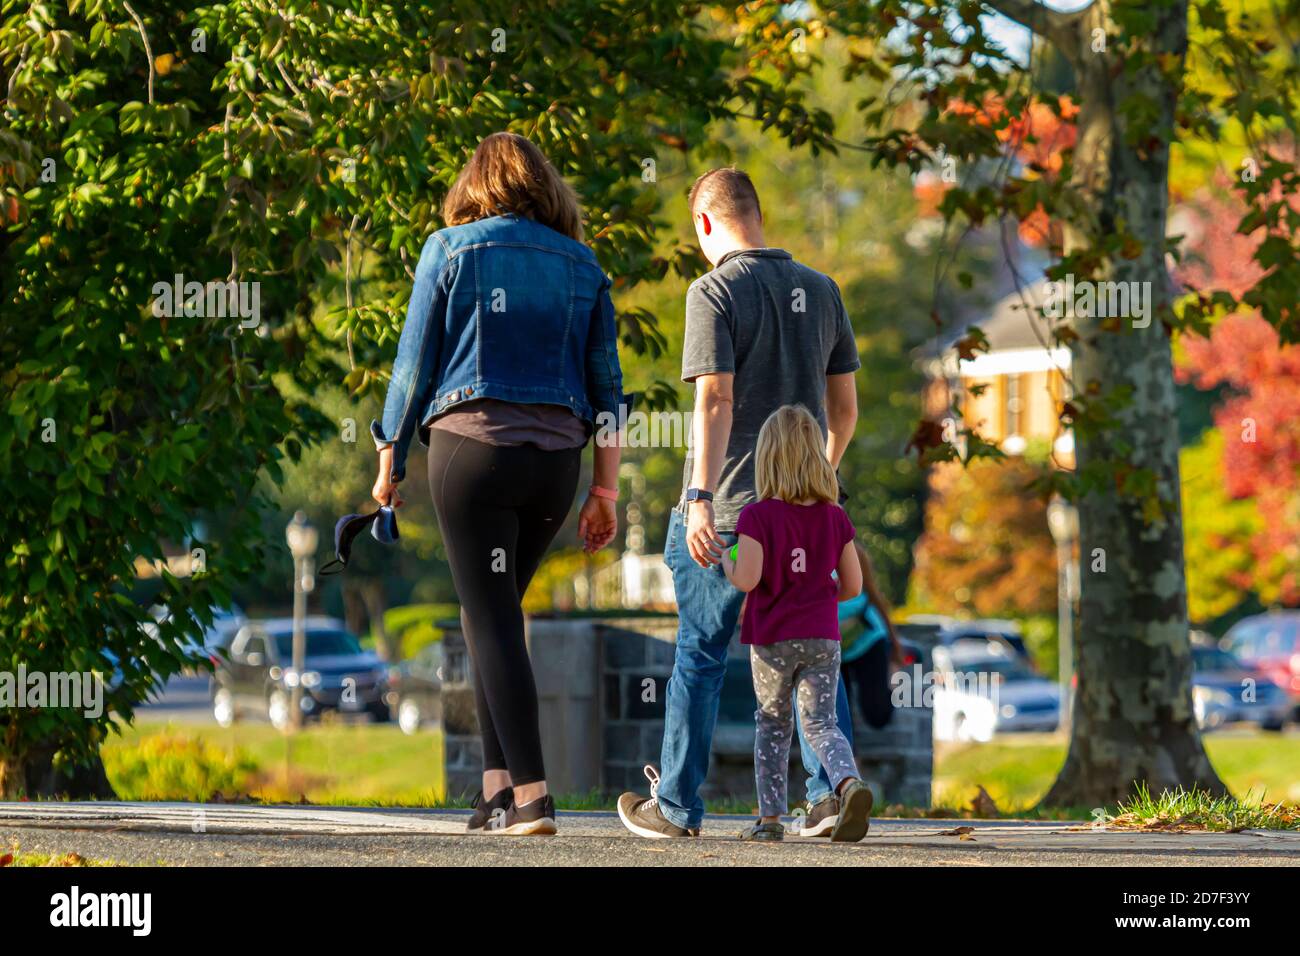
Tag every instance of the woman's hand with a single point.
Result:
(385, 489)
(597, 523)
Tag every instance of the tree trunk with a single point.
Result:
(34, 776)
(375, 595)
(354, 608)
(1133, 720)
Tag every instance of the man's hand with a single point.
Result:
(701, 536)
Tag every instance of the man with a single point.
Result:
(762, 331)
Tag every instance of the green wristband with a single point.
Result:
(735, 549)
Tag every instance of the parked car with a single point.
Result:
(217, 636)
(982, 692)
(1224, 692)
(944, 631)
(986, 631)
(257, 674)
(415, 689)
(1270, 644)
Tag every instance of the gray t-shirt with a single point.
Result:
(781, 328)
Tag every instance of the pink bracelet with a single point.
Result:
(600, 492)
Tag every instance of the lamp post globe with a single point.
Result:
(302, 539)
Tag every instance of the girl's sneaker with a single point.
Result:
(763, 832)
(484, 810)
(855, 813)
(532, 819)
(820, 817)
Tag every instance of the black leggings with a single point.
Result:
(869, 676)
(499, 509)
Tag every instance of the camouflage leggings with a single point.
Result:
(810, 671)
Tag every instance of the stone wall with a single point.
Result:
(602, 685)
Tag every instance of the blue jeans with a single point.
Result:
(819, 785)
(708, 609)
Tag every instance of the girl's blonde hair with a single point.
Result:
(508, 173)
(791, 461)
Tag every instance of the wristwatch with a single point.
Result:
(698, 494)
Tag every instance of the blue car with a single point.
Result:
(1225, 691)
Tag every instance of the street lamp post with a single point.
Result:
(302, 539)
(1063, 522)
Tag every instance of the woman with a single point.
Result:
(507, 356)
(870, 647)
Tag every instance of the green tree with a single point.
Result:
(854, 224)
(266, 143)
(986, 549)
(1221, 568)
(1138, 92)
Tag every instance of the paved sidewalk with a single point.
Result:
(243, 835)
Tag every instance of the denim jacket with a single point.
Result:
(502, 308)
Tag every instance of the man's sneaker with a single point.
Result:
(855, 813)
(484, 809)
(760, 832)
(532, 819)
(821, 817)
(644, 818)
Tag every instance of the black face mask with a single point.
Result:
(383, 527)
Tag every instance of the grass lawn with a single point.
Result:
(327, 763)
(362, 764)
(1017, 769)
(15, 856)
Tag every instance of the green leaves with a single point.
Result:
(123, 432)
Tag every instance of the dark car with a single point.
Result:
(1270, 644)
(256, 674)
(415, 689)
(1224, 692)
(985, 632)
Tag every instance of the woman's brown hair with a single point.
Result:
(508, 174)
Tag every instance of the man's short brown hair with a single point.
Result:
(727, 193)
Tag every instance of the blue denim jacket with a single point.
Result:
(502, 308)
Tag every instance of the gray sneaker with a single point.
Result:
(855, 813)
(644, 818)
(760, 832)
(820, 817)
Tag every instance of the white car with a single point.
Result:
(980, 693)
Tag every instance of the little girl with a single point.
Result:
(790, 542)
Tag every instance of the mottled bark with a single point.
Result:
(1133, 720)
(34, 775)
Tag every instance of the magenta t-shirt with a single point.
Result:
(796, 596)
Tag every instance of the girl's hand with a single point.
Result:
(728, 565)
(597, 523)
(385, 490)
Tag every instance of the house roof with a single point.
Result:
(1016, 322)
(1019, 338)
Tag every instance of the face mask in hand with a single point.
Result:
(383, 528)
